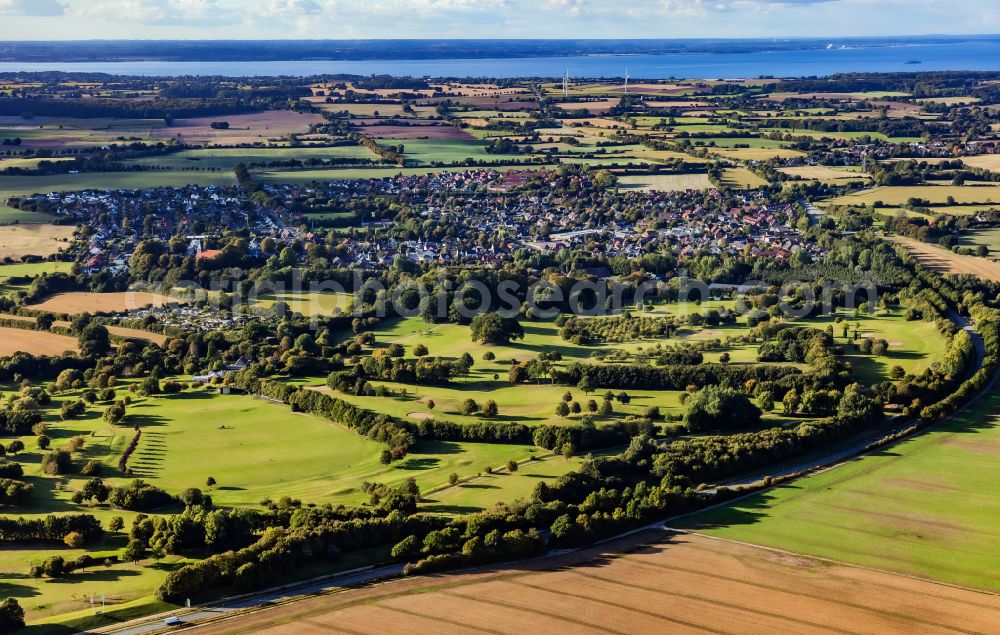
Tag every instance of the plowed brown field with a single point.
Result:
(944, 261)
(686, 583)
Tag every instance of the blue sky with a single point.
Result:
(285, 19)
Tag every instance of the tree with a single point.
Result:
(43, 442)
(96, 490)
(94, 341)
(719, 407)
(585, 384)
(452, 478)
(74, 540)
(386, 457)
(512, 466)
(114, 413)
(134, 551)
(791, 402)
(116, 524)
(11, 616)
(210, 481)
(420, 350)
(406, 548)
(606, 408)
(562, 409)
(430, 404)
(470, 407)
(15, 446)
(490, 409)
(192, 496)
(491, 328)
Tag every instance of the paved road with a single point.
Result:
(155, 623)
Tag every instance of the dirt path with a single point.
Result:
(646, 583)
(943, 261)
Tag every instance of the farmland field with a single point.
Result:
(10, 215)
(943, 261)
(81, 301)
(898, 195)
(427, 151)
(824, 174)
(23, 185)
(924, 507)
(227, 158)
(333, 174)
(756, 154)
(741, 178)
(243, 128)
(665, 182)
(684, 583)
(33, 240)
(13, 340)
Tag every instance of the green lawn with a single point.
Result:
(929, 506)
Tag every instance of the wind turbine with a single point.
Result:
(566, 84)
(626, 80)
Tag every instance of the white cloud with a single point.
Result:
(31, 7)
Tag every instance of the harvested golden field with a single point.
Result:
(81, 301)
(120, 331)
(824, 174)
(944, 261)
(33, 240)
(13, 340)
(741, 178)
(935, 194)
(756, 154)
(245, 128)
(664, 182)
(685, 583)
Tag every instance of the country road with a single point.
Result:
(212, 612)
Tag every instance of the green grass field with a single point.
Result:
(227, 158)
(11, 215)
(22, 270)
(24, 185)
(427, 151)
(926, 507)
(988, 237)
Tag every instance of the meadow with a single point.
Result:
(925, 507)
